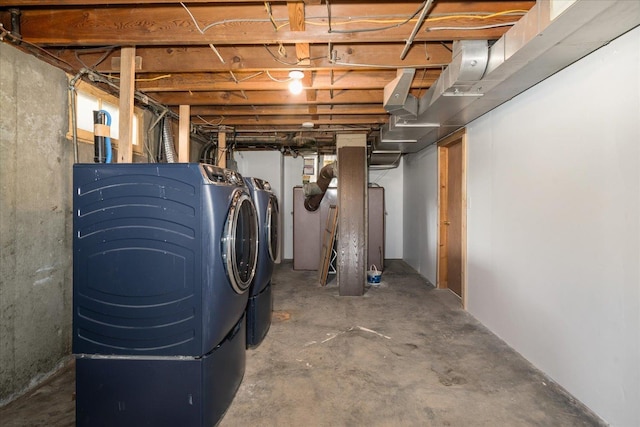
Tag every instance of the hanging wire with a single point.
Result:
(278, 80)
(107, 49)
(294, 64)
(267, 7)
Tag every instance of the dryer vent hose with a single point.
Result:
(314, 196)
(167, 141)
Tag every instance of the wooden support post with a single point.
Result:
(127, 93)
(184, 134)
(222, 149)
(352, 213)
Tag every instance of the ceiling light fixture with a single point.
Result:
(296, 76)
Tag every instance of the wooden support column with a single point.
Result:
(222, 149)
(184, 134)
(127, 93)
(352, 213)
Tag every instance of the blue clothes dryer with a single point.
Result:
(260, 303)
(164, 256)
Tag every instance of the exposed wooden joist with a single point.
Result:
(213, 112)
(257, 58)
(321, 80)
(268, 97)
(40, 3)
(297, 120)
(346, 67)
(172, 25)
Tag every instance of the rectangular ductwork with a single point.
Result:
(397, 99)
(384, 159)
(551, 36)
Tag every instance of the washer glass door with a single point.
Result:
(273, 216)
(240, 243)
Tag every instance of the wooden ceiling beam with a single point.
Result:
(268, 98)
(257, 58)
(297, 120)
(93, 3)
(211, 112)
(349, 79)
(247, 24)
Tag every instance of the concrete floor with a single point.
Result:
(405, 354)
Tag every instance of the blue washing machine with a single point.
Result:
(164, 256)
(260, 303)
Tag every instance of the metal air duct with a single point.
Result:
(551, 36)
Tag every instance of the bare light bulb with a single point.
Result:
(295, 87)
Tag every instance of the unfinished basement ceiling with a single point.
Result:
(230, 60)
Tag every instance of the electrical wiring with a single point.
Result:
(294, 64)
(206, 28)
(368, 30)
(108, 50)
(267, 7)
(481, 27)
(195, 22)
(213, 48)
(278, 80)
(211, 124)
(436, 17)
(393, 23)
(19, 40)
(478, 15)
(400, 22)
(251, 76)
(150, 79)
(394, 67)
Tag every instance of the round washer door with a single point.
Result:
(273, 216)
(240, 242)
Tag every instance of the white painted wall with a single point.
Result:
(420, 211)
(392, 181)
(554, 227)
(261, 164)
(292, 177)
(283, 173)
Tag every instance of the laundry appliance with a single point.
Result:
(260, 303)
(163, 258)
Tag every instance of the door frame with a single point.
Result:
(443, 170)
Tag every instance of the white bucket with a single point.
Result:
(373, 275)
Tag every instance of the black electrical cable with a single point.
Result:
(107, 49)
(446, 47)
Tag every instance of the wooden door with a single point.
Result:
(452, 215)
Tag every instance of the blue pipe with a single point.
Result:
(108, 138)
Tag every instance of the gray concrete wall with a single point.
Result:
(35, 221)
(36, 162)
